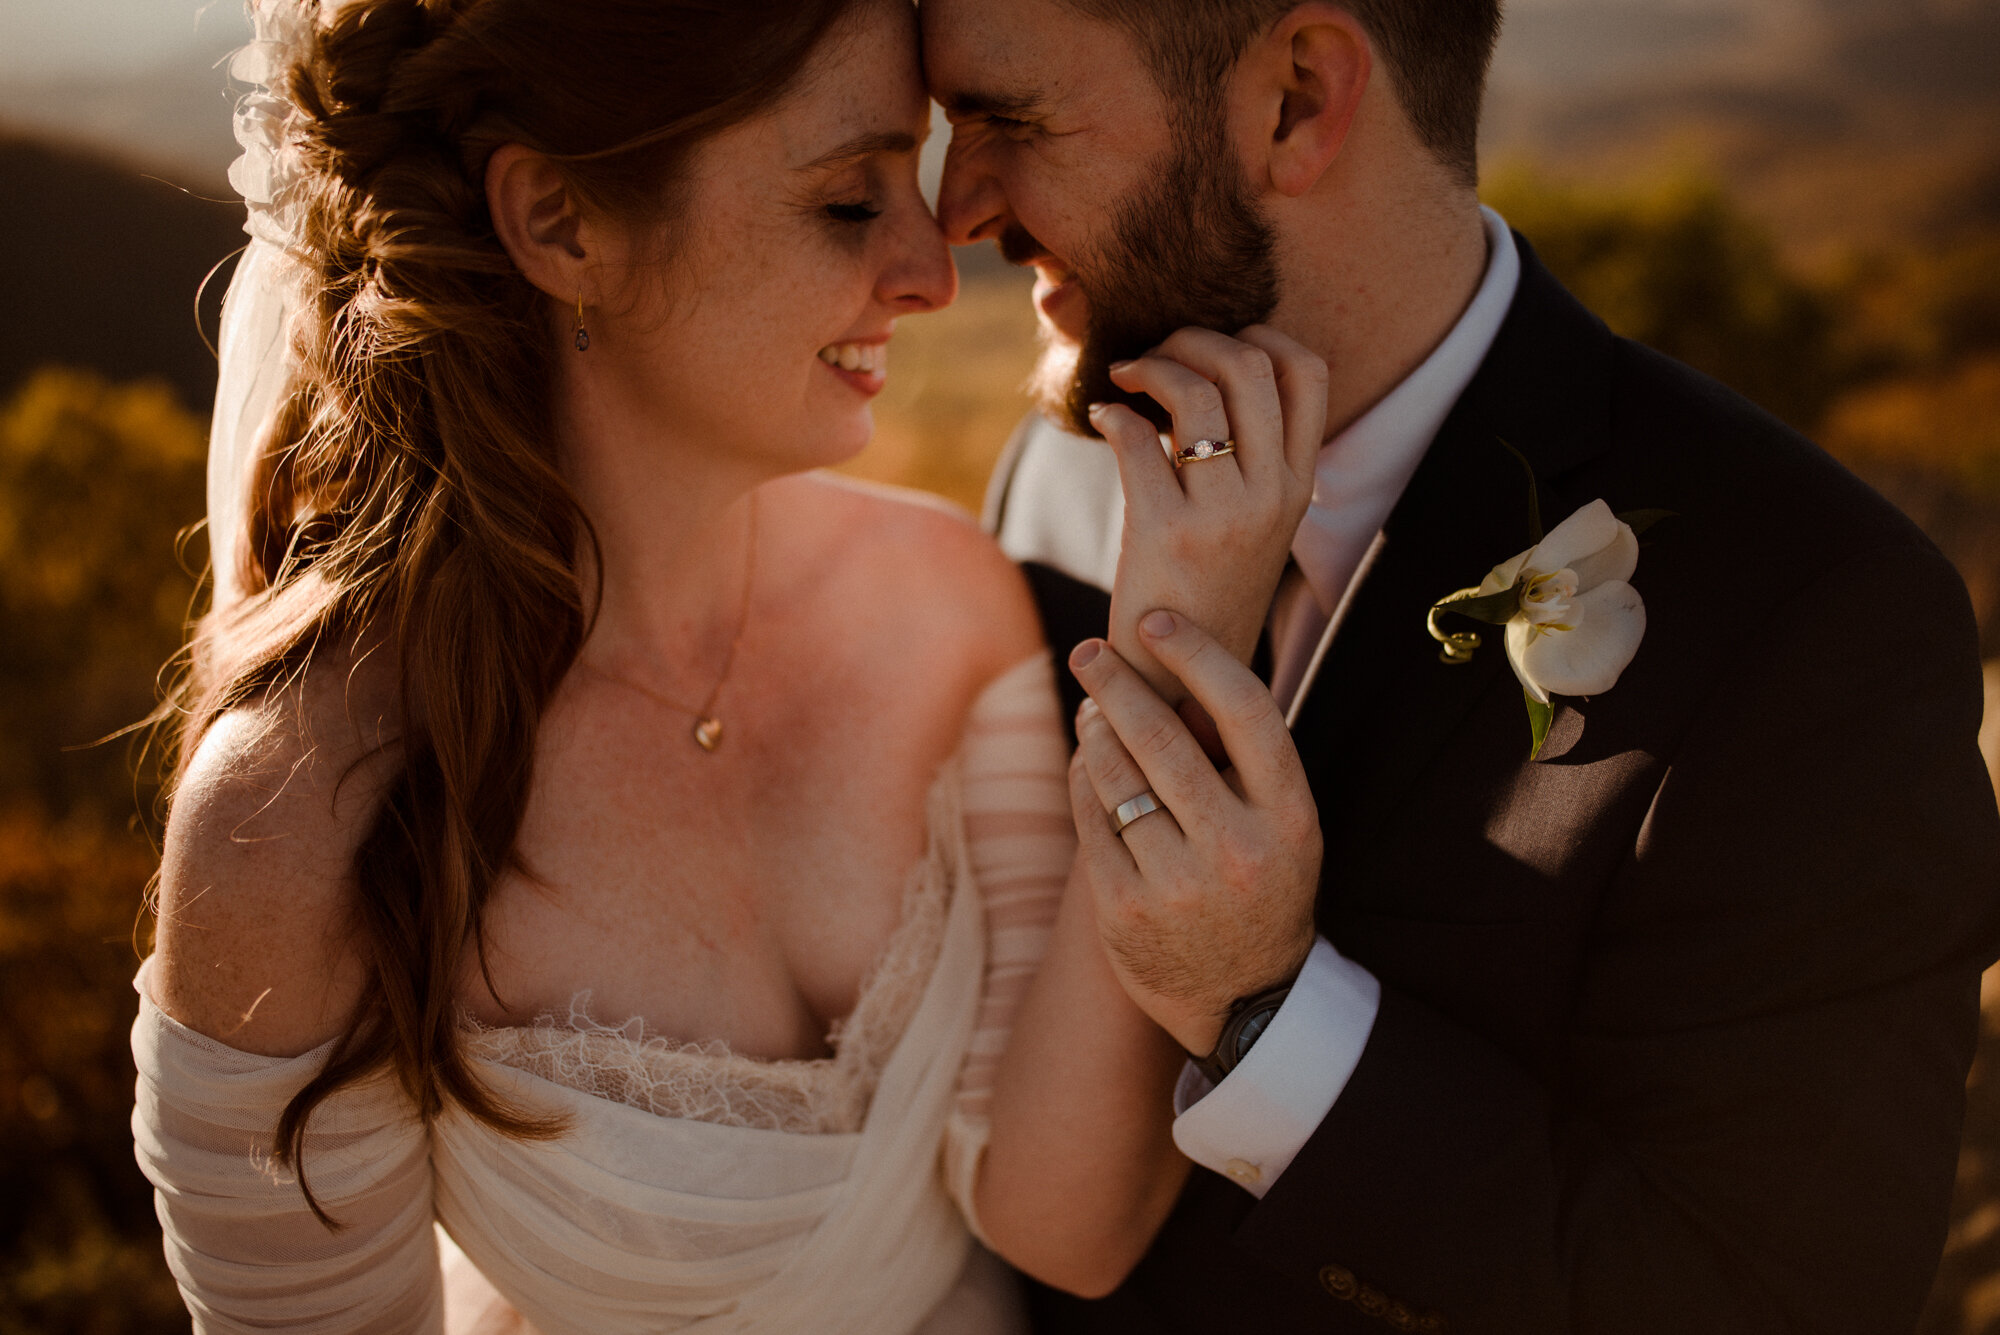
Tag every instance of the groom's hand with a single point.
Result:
(1211, 899)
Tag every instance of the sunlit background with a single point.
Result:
(1801, 197)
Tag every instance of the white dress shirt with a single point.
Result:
(1251, 1126)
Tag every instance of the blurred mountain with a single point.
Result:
(175, 118)
(1837, 121)
(100, 264)
(148, 83)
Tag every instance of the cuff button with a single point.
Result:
(1242, 1170)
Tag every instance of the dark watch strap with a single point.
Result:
(1248, 1019)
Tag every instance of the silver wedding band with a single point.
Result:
(1145, 804)
(1202, 450)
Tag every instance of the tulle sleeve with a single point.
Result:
(1015, 762)
(247, 1252)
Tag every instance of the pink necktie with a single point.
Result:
(1297, 622)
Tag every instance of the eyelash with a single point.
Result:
(853, 213)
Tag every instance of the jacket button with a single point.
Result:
(1401, 1317)
(1339, 1281)
(1372, 1301)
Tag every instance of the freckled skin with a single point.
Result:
(738, 895)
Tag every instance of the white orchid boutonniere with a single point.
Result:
(1573, 620)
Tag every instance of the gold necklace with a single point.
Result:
(707, 727)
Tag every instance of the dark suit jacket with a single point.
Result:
(1676, 1019)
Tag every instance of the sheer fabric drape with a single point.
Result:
(711, 1211)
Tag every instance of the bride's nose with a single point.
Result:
(920, 275)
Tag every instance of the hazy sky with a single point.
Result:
(140, 77)
(109, 37)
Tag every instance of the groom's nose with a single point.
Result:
(972, 204)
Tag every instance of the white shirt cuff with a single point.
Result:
(1251, 1126)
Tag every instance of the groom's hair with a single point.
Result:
(1437, 53)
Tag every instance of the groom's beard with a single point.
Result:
(1190, 250)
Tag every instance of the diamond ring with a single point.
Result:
(1203, 449)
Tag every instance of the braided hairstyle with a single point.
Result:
(409, 492)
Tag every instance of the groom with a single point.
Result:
(1664, 1030)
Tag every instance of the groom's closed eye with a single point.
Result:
(991, 108)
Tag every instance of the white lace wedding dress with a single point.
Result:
(695, 1189)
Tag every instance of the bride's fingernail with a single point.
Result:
(1084, 654)
(1086, 711)
(1159, 625)
(1093, 410)
(1116, 367)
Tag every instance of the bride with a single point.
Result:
(611, 863)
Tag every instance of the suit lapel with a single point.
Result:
(1381, 705)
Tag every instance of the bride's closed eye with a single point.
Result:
(853, 213)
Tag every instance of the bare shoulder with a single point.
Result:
(255, 895)
(941, 569)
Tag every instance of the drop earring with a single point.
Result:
(582, 334)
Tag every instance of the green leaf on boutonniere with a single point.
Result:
(1641, 520)
(1495, 609)
(1535, 533)
(1540, 715)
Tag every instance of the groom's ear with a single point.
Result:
(536, 217)
(1306, 76)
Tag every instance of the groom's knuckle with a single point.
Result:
(1239, 859)
(1187, 768)
(1253, 705)
(1201, 659)
(1155, 737)
(1295, 825)
(1123, 778)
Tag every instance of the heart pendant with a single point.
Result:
(708, 734)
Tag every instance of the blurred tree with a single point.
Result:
(96, 481)
(99, 265)
(1943, 422)
(1676, 266)
(95, 484)
(1917, 310)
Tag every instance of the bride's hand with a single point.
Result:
(1209, 539)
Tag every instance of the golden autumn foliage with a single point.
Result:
(97, 481)
(955, 392)
(1946, 421)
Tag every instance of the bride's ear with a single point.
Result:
(536, 217)
(1305, 79)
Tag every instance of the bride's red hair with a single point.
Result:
(409, 495)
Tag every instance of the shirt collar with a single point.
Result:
(1362, 471)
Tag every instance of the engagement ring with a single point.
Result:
(1203, 449)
